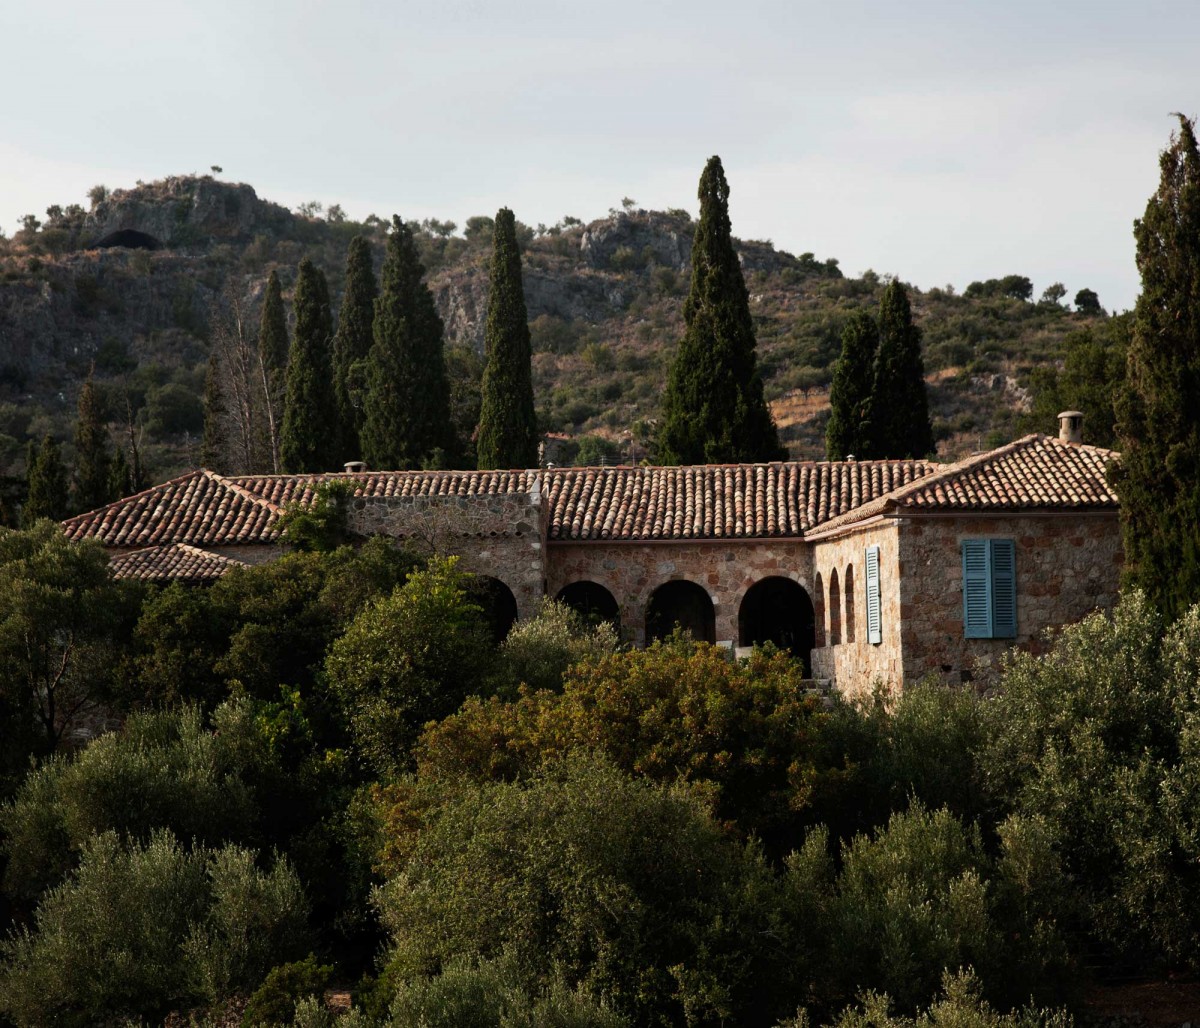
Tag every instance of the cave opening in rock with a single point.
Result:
(130, 239)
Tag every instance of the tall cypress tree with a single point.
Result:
(47, 483)
(307, 441)
(214, 451)
(352, 343)
(406, 407)
(713, 409)
(93, 464)
(507, 436)
(272, 327)
(1158, 421)
(849, 430)
(899, 407)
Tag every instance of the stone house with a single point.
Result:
(889, 570)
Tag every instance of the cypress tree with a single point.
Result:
(507, 436)
(406, 406)
(713, 409)
(352, 343)
(1158, 420)
(307, 441)
(849, 431)
(214, 450)
(93, 465)
(47, 483)
(272, 327)
(899, 407)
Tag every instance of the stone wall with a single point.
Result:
(852, 663)
(1067, 566)
(632, 571)
(501, 535)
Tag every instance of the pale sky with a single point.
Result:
(938, 141)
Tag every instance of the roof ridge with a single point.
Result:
(242, 491)
(948, 471)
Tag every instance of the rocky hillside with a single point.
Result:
(129, 284)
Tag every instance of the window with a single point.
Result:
(874, 621)
(849, 587)
(989, 589)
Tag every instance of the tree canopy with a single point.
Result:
(899, 408)
(713, 410)
(1158, 419)
(507, 436)
(849, 431)
(352, 342)
(307, 440)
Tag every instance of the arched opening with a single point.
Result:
(592, 602)
(849, 603)
(684, 604)
(498, 603)
(819, 613)
(835, 609)
(779, 611)
(130, 238)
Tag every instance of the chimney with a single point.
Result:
(1070, 427)
(354, 466)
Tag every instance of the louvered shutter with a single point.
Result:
(977, 612)
(1004, 589)
(874, 623)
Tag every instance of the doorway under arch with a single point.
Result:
(681, 603)
(779, 611)
(498, 603)
(592, 602)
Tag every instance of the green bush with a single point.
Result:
(162, 770)
(538, 651)
(1100, 739)
(407, 659)
(274, 1002)
(137, 930)
(746, 732)
(624, 888)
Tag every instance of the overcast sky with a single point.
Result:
(938, 141)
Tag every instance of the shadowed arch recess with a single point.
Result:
(592, 602)
(779, 611)
(498, 603)
(681, 603)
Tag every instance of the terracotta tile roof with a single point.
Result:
(715, 501)
(201, 508)
(1035, 472)
(626, 503)
(176, 562)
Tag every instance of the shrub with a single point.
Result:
(107, 943)
(625, 888)
(274, 1002)
(407, 659)
(539, 651)
(746, 731)
(162, 770)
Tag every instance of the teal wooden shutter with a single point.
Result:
(1004, 589)
(977, 607)
(874, 623)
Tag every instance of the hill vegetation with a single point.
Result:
(605, 308)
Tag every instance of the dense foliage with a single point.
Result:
(352, 342)
(1158, 419)
(507, 436)
(308, 438)
(713, 410)
(849, 429)
(899, 407)
(327, 758)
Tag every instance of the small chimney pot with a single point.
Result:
(1070, 427)
(355, 466)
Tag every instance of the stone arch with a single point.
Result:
(850, 614)
(779, 611)
(498, 603)
(593, 602)
(835, 609)
(819, 612)
(681, 603)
